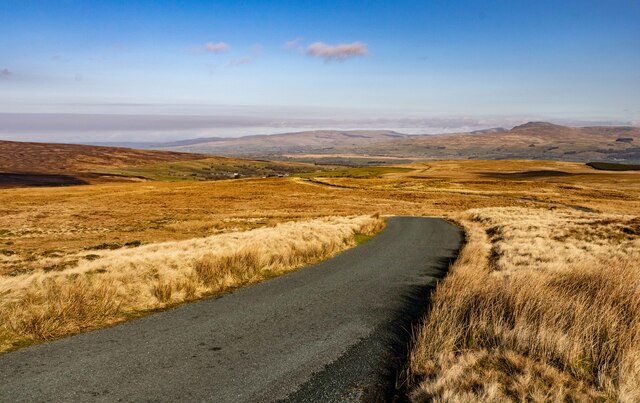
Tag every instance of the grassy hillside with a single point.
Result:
(542, 141)
(277, 144)
(64, 158)
(45, 164)
(534, 140)
(212, 168)
(369, 172)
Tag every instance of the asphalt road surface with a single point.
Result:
(335, 331)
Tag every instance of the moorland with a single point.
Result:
(550, 246)
(47, 164)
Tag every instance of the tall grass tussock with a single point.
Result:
(48, 305)
(542, 305)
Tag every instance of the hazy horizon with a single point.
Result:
(83, 71)
(124, 128)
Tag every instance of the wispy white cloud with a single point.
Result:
(216, 47)
(256, 52)
(339, 52)
(5, 73)
(257, 49)
(241, 60)
(293, 43)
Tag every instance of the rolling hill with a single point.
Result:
(533, 140)
(37, 164)
(48, 164)
(285, 143)
(65, 158)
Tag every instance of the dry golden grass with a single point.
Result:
(52, 228)
(47, 305)
(542, 305)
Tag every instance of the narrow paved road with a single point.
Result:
(329, 332)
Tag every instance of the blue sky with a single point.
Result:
(563, 60)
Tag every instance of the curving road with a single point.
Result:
(329, 332)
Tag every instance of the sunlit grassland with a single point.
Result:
(366, 172)
(499, 327)
(45, 305)
(542, 305)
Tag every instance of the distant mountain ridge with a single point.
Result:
(491, 130)
(286, 142)
(292, 139)
(539, 126)
(531, 140)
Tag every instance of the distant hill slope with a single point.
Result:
(64, 158)
(533, 140)
(48, 164)
(287, 142)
